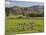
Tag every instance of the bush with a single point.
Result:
(20, 17)
(35, 15)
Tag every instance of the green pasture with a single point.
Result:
(15, 25)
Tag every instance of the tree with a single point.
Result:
(7, 11)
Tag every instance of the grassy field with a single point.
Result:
(15, 25)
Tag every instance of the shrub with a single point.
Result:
(20, 16)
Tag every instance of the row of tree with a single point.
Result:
(25, 11)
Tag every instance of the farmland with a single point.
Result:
(16, 25)
(24, 17)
